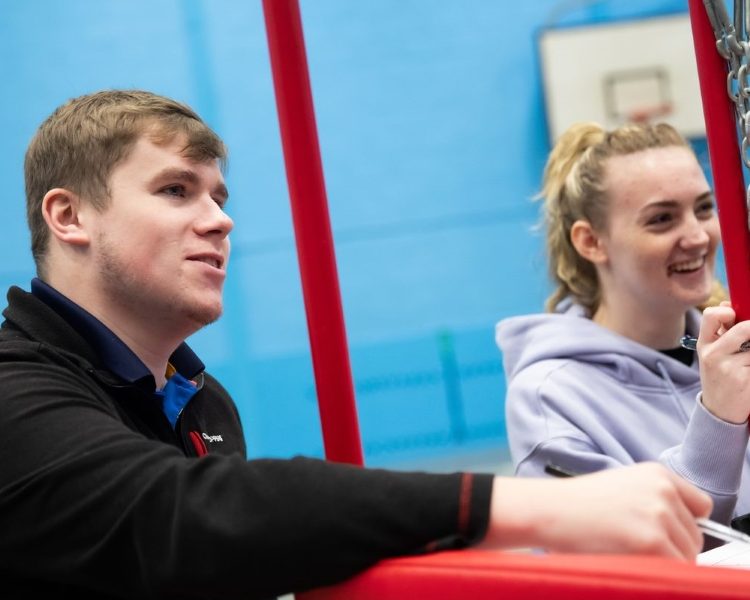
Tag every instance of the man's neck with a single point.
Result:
(151, 339)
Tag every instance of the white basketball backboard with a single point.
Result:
(614, 72)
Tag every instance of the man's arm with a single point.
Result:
(85, 501)
(641, 509)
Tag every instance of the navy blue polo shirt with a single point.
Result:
(118, 358)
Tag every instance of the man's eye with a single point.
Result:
(174, 190)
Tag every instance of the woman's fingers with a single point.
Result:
(724, 366)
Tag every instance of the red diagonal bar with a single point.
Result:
(726, 161)
(315, 251)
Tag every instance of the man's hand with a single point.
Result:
(640, 509)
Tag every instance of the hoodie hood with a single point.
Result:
(570, 334)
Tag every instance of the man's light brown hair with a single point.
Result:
(79, 145)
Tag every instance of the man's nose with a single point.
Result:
(214, 219)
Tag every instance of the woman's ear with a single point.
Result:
(588, 243)
(61, 210)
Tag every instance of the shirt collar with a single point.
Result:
(115, 355)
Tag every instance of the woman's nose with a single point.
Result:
(695, 234)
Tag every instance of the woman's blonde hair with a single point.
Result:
(574, 188)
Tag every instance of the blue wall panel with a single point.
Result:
(432, 130)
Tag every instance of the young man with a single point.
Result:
(124, 470)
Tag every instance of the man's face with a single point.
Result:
(161, 245)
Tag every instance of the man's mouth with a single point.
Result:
(213, 261)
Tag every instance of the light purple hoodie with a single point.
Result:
(585, 398)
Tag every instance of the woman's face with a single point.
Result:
(662, 231)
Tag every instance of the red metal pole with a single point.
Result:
(315, 251)
(726, 161)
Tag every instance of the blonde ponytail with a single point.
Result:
(564, 205)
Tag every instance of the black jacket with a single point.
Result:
(100, 497)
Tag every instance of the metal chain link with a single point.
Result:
(732, 44)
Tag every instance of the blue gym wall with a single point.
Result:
(432, 131)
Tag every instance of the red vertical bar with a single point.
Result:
(315, 251)
(726, 161)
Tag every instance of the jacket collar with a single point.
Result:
(47, 315)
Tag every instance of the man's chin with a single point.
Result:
(204, 315)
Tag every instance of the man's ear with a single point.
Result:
(61, 209)
(588, 243)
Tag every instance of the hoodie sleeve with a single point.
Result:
(556, 416)
(597, 401)
(544, 429)
(717, 472)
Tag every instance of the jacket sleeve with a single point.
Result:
(87, 502)
(719, 471)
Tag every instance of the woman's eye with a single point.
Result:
(705, 209)
(660, 219)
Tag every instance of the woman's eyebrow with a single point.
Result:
(659, 204)
(669, 203)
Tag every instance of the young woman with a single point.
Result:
(601, 380)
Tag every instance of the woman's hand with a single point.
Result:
(724, 368)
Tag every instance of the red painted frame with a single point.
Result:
(315, 250)
(726, 161)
